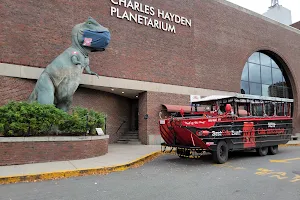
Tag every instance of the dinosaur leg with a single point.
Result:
(65, 91)
(45, 90)
(64, 104)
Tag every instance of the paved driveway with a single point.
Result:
(245, 177)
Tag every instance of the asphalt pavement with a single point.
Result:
(244, 177)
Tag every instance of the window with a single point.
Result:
(262, 76)
(243, 109)
(257, 110)
(265, 60)
(280, 109)
(254, 73)
(245, 74)
(266, 75)
(245, 87)
(255, 89)
(269, 108)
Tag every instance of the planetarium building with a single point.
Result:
(160, 53)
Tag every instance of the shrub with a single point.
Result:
(32, 119)
(22, 118)
(83, 120)
(95, 120)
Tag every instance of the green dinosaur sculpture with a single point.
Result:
(61, 78)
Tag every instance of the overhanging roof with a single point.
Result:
(103, 83)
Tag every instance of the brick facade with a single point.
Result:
(296, 25)
(15, 89)
(221, 37)
(16, 153)
(211, 54)
(151, 104)
(143, 131)
(117, 108)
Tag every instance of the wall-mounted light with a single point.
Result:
(123, 92)
(137, 96)
(112, 89)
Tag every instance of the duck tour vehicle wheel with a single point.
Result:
(262, 151)
(273, 150)
(220, 155)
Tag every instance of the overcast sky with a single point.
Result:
(261, 6)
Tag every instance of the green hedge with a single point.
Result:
(34, 119)
(83, 120)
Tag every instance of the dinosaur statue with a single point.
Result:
(60, 79)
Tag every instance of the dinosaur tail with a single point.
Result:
(33, 96)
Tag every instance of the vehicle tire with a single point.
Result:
(262, 151)
(220, 156)
(273, 150)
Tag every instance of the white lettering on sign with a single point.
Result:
(194, 122)
(271, 125)
(216, 133)
(226, 133)
(236, 132)
(212, 120)
(145, 20)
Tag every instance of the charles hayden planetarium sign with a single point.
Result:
(147, 15)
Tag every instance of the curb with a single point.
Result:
(80, 172)
(290, 145)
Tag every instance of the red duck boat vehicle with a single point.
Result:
(229, 123)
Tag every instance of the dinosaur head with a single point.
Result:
(90, 36)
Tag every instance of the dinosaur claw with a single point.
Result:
(94, 73)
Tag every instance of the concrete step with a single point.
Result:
(129, 141)
(122, 142)
(129, 137)
(133, 140)
(132, 132)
